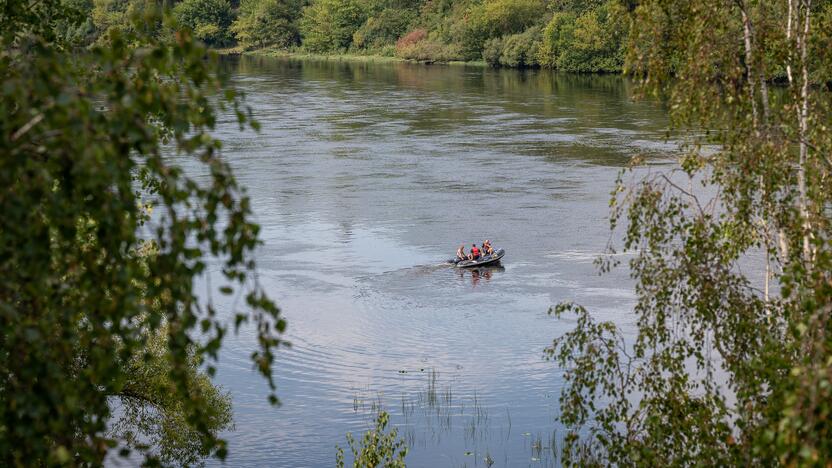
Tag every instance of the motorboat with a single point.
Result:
(483, 260)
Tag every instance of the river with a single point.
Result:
(364, 177)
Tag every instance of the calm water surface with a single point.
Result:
(364, 178)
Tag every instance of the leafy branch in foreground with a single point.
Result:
(731, 363)
(83, 310)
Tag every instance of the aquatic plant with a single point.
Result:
(378, 447)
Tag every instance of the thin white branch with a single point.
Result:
(28, 126)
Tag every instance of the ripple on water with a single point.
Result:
(364, 178)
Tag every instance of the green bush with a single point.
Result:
(598, 41)
(263, 23)
(471, 33)
(557, 38)
(383, 29)
(446, 18)
(592, 42)
(492, 50)
(511, 16)
(76, 27)
(515, 50)
(574, 6)
(492, 19)
(328, 25)
(209, 19)
(110, 14)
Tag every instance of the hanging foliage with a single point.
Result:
(97, 300)
(731, 363)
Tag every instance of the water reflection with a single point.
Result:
(480, 273)
(589, 118)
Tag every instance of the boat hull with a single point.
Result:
(486, 260)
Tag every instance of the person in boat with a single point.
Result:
(475, 253)
(486, 248)
(460, 253)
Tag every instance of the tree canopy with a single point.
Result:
(568, 35)
(97, 305)
(731, 363)
(263, 23)
(208, 19)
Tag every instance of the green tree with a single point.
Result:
(328, 25)
(557, 39)
(263, 23)
(445, 18)
(575, 6)
(495, 18)
(210, 20)
(120, 14)
(384, 28)
(78, 29)
(515, 50)
(97, 305)
(511, 16)
(727, 367)
(592, 42)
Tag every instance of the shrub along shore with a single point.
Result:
(340, 57)
(566, 35)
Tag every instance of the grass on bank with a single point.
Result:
(339, 57)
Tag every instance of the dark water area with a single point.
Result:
(365, 177)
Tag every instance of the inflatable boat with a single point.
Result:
(484, 260)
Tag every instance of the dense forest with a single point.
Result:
(568, 35)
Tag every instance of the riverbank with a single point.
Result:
(348, 57)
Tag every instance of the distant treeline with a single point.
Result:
(569, 35)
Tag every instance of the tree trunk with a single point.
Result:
(803, 121)
(749, 63)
